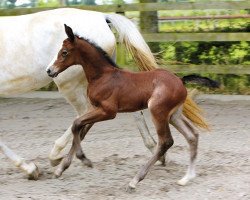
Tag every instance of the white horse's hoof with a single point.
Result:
(182, 182)
(34, 173)
(132, 185)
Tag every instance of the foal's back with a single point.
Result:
(135, 90)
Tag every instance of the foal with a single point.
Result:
(112, 90)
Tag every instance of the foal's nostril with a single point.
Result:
(48, 71)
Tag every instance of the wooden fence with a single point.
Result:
(163, 37)
(230, 5)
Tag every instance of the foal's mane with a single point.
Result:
(100, 50)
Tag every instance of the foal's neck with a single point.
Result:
(93, 61)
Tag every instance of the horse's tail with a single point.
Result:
(194, 113)
(133, 41)
(190, 109)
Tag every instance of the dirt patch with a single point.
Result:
(30, 126)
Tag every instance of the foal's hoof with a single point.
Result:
(163, 160)
(130, 189)
(87, 162)
(186, 179)
(56, 176)
(34, 173)
(182, 182)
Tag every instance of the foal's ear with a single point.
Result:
(69, 33)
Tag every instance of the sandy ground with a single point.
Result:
(30, 126)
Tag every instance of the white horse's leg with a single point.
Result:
(29, 168)
(74, 91)
(59, 145)
(148, 140)
(188, 130)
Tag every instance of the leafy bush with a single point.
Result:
(211, 53)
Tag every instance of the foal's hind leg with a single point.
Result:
(147, 138)
(165, 141)
(187, 129)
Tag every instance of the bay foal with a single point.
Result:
(112, 90)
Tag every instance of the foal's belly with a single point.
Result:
(131, 108)
(132, 103)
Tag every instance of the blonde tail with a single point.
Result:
(192, 111)
(133, 41)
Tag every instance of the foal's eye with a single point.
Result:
(64, 53)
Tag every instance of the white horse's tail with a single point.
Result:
(133, 41)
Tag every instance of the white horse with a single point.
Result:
(29, 43)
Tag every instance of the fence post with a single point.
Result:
(120, 51)
(149, 24)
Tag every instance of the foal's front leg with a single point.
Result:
(67, 159)
(93, 116)
(80, 128)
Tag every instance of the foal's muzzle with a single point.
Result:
(51, 73)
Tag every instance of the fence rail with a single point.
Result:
(205, 69)
(177, 37)
(232, 5)
(215, 69)
(211, 17)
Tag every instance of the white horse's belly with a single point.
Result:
(24, 59)
(21, 72)
(22, 83)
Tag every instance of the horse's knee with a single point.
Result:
(77, 126)
(66, 163)
(193, 140)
